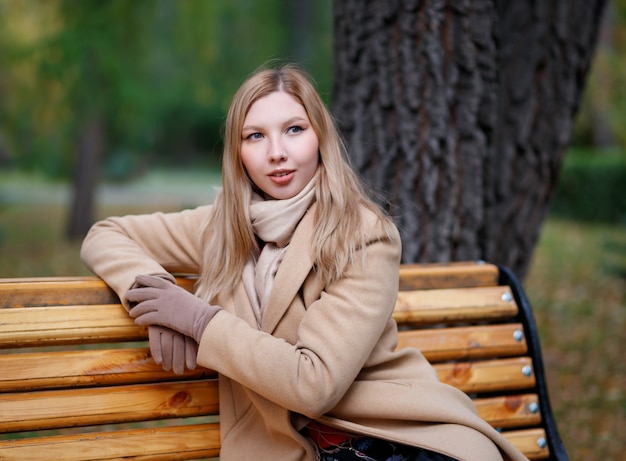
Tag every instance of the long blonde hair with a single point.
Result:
(228, 236)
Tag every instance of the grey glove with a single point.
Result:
(171, 349)
(160, 302)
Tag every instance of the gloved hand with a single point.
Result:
(159, 302)
(171, 349)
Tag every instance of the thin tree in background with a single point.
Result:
(89, 45)
(459, 113)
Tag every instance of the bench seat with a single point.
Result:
(78, 382)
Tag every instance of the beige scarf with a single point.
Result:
(274, 222)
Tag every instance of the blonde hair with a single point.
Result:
(228, 236)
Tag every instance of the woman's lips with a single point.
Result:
(282, 177)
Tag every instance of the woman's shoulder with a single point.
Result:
(377, 225)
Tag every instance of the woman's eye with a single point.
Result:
(294, 129)
(254, 136)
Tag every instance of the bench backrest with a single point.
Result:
(78, 383)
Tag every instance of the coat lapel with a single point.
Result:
(294, 268)
(239, 305)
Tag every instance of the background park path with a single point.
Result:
(169, 189)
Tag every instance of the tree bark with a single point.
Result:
(90, 148)
(457, 113)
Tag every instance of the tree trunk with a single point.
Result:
(89, 152)
(458, 114)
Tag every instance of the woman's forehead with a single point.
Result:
(273, 106)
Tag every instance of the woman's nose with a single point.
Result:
(277, 151)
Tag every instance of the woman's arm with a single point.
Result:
(119, 248)
(336, 336)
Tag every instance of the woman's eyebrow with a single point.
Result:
(297, 119)
(251, 127)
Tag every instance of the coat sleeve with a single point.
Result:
(334, 339)
(119, 248)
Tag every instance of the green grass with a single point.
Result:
(32, 242)
(577, 286)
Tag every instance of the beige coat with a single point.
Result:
(323, 352)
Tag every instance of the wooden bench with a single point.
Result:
(77, 381)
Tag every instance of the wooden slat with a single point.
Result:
(511, 411)
(54, 325)
(55, 291)
(64, 369)
(62, 291)
(105, 323)
(60, 369)
(454, 305)
(120, 366)
(155, 444)
(527, 442)
(488, 375)
(449, 275)
(105, 405)
(461, 343)
(172, 443)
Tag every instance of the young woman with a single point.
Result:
(298, 277)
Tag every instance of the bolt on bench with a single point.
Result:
(77, 381)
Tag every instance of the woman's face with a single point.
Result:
(279, 147)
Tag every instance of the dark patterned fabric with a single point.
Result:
(334, 445)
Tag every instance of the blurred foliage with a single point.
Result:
(160, 72)
(592, 186)
(601, 120)
(163, 71)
